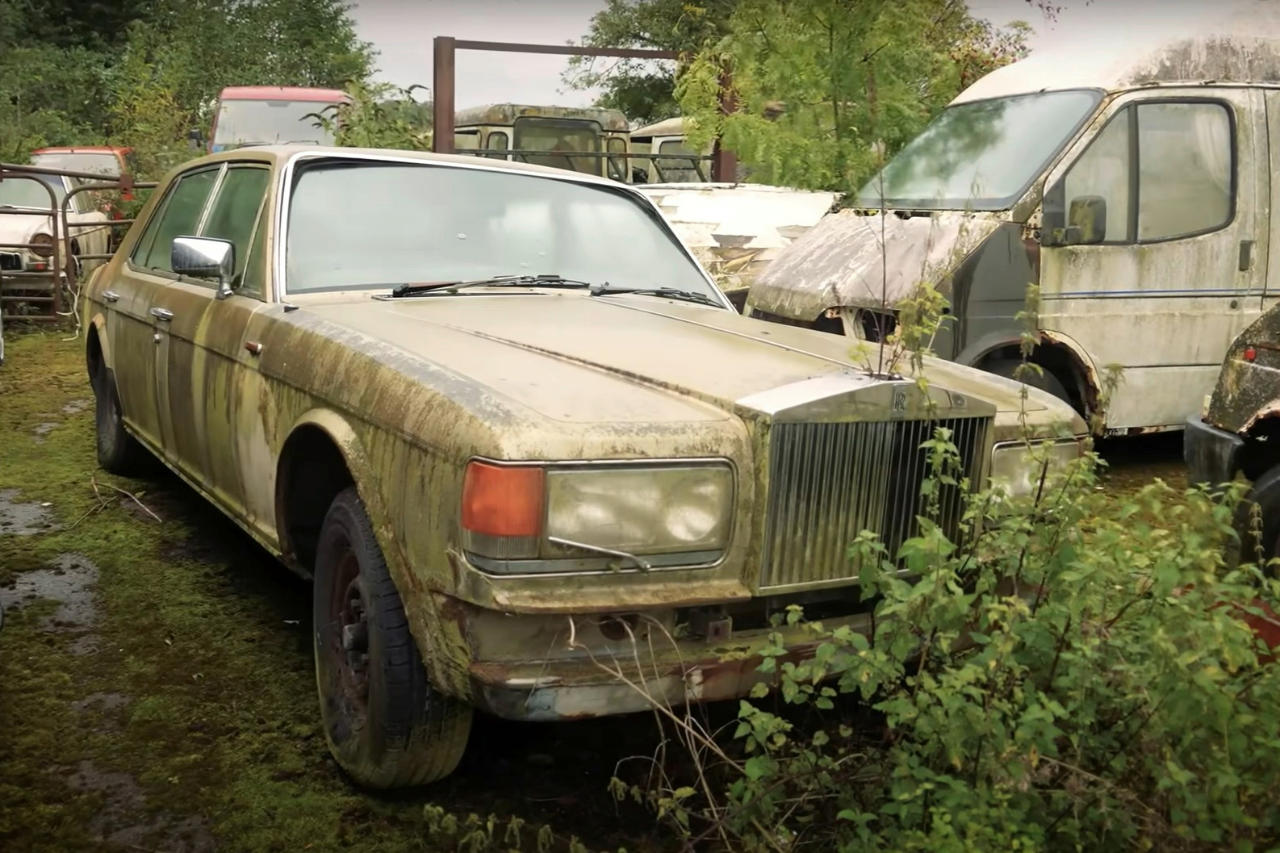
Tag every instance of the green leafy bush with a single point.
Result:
(1075, 674)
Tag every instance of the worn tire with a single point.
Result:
(1007, 367)
(386, 726)
(118, 452)
(1266, 494)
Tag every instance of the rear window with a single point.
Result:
(102, 162)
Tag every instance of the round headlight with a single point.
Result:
(41, 245)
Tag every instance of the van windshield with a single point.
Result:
(980, 155)
(266, 122)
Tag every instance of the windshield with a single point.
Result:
(23, 192)
(82, 161)
(981, 155)
(376, 225)
(267, 122)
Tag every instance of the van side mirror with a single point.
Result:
(207, 258)
(1087, 219)
(1086, 223)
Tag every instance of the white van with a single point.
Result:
(1134, 188)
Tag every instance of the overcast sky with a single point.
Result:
(402, 30)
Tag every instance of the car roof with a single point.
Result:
(282, 154)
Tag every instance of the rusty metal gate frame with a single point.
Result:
(58, 214)
(724, 165)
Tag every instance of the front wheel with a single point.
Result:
(386, 726)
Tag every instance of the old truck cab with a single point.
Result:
(589, 140)
(1133, 189)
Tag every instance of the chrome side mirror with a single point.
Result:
(205, 257)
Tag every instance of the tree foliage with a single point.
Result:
(644, 90)
(141, 74)
(824, 89)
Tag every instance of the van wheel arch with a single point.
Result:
(1061, 366)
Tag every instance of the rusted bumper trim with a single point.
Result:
(576, 689)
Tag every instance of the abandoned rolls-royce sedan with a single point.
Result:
(512, 431)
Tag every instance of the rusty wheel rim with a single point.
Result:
(348, 647)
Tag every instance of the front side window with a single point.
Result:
(1103, 172)
(235, 212)
(677, 170)
(179, 216)
(1162, 169)
(498, 143)
(405, 223)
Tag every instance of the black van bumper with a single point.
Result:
(1212, 455)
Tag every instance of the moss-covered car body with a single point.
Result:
(270, 401)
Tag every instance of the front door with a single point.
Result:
(206, 359)
(1181, 264)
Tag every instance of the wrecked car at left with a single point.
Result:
(513, 432)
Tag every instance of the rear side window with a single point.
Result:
(178, 216)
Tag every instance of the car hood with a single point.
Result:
(574, 357)
(851, 259)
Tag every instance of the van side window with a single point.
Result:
(1103, 171)
(1163, 168)
(1185, 168)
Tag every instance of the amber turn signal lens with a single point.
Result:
(503, 500)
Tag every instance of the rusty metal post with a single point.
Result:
(724, 163)
(442, 92)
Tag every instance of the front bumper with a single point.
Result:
(579, 675)
(1212, 454)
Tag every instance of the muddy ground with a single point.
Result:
(156, 690)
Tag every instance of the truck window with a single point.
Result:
(1103, 170)
(1184, 169)
(497, 142)
(1183, 162)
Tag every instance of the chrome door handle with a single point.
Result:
(110, 296)
(162, 313)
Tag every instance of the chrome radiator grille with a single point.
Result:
(830, 481)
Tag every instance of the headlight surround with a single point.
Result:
(42, 245)
(1016, 466)
(650, 510)
(675, 513)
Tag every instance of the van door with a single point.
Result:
(1177, 265)
(1272, 294)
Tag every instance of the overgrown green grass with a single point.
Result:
(199, 686)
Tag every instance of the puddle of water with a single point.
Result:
(123, 821)
(69, 582)
(22, 519)
(101, 702)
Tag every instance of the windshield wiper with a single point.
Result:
(544, 280)
(669, 292)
